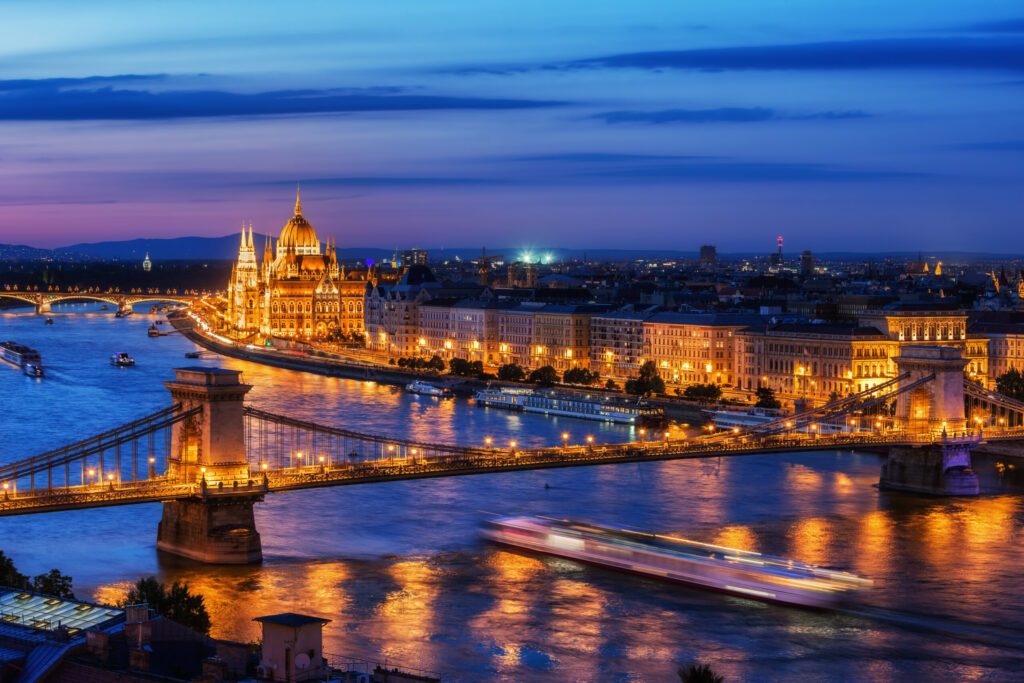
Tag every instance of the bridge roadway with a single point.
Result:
(162, 488)
(42, 300)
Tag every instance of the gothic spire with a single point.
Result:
(298, 200)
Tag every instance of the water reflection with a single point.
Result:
(400, 570)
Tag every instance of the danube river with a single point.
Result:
(401, 572)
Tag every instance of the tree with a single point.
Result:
(766, 398)
(579, 376)
(54, 583)
(610, 385)
(699, 673)
(1011, 384)
(545, 376)
(703, 392)
(9, 574)
(436, 363)
(510, 372)
(649, 381)
(176, 602)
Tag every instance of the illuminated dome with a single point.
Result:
(298, 236)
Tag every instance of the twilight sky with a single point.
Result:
(863, 125)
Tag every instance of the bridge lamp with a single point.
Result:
(565, 439)
(321, 458)
(512, 444)
(488, 441)
(264, 467)
(789, 425)
(590, 439)
(152, 460)
(735, 430)
(6, 486)
(110, 477)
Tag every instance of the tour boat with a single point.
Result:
(427, 389)
(605, 408)
(21, 356)
(755, 417)
(154, 331)
(729, 570)
(123, 313)
(122, 360)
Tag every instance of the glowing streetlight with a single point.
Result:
(590, 440)
(565, 439)
(512, 444)
(264, 466)
(488, 441)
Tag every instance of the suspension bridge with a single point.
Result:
(208, 457)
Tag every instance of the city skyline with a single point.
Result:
(844, 129)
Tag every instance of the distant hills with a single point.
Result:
(226, 248)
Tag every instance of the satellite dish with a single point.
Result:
(301, 660)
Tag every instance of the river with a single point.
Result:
(402, 574)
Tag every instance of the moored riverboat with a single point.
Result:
(585, 406)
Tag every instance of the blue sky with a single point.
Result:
(865, 126)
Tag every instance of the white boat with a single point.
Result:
(427, 389)
(122, 360)
(729, 570)
(21, 356)
(755, 417)
(604, 408)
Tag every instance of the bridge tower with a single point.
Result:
(941, 465)
(216, 525)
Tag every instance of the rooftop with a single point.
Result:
(47, 613)
(291, 619)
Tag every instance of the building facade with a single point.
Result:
(298, 292)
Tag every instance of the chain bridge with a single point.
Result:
(208, 457)
(44, 299)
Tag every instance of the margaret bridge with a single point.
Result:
(44, 299)
(208, 457)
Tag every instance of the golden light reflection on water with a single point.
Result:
(803, 479)
(234, 597)
(736, 536)
(810, 539)
(874, 545)
(404, 621)
(508, 579)
(842, 484)
(577, 623)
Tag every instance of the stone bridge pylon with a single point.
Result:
(217, 524)
(942, 467)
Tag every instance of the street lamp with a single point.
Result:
(565, 439)
(643, 433)
(590, 440)
(488, 441)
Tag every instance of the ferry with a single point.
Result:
(427, 389)
(155, 331)
(21, 356)
(604, 408)
(728, 570)
(122, 360)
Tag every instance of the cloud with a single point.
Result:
(1005, 26)
(59, 99)
(994, 146)
(993, 53)
(721, 115)
(724, 171)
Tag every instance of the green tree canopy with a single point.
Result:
(175, 602)
(545, 376)
(1011, 384)
(579, 376)
(648, 381)
(510, 372)
(54, 583)
(766, 398)
(708, 393)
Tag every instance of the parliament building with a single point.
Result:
(299, 291)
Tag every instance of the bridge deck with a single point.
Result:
(336, 473)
